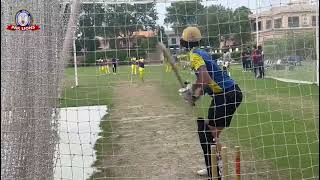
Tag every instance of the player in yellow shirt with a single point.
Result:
(141, 68)
(168, 66)
(133, 63)
(102, 66)
(211, 80)
(107, 63)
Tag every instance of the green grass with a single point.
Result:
(277, 121)
(306, 72)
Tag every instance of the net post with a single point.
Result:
(225, 170)
(75, 62)
(317, 42)
(237, 163)
(257, 23)
(214, 174)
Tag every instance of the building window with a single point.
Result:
(268, 24)
(259, 26)
(278, 23)
(173, 41)
(314, 20)
(305, 21)
(293, 21)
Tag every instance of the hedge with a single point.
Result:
(123, 56)
(292, 44)
(235, 55)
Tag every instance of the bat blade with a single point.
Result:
(170, 59)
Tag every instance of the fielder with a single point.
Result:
(108, 63)
(141, 68)
(102, 67)
(211, 80)
(133, 65)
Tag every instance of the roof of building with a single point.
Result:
(294, 7)
(139, 34)
(145, 34)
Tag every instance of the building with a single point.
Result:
(227, 43)
(298, 16)
(173, 39)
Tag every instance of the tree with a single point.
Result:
(182, 14)
(162, 35)
(291, 44)
(113, 21)
(241, 26)
(215, 21)
(123, 19)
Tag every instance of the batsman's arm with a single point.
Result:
(203, 80)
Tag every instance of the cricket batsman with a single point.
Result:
(213, 81)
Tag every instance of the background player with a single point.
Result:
(114, 65)
(141, 68)
(226, 94)
(102, 67)
(107, 65)
(133, 62)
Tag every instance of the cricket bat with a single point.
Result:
(170, 59)
(184, 86)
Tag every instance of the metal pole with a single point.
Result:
(75, 61)
(317, 42)
(257, 23)
(160, 35)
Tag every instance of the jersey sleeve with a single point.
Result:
(196, 61)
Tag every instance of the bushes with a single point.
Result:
(216, 55)
(235, 55)
(122, 55)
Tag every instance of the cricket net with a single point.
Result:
(32, 68)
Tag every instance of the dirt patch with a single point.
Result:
(158, 140)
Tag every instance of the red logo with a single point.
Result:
(23, 22)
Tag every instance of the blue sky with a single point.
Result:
(252, 4)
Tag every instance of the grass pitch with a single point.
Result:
(277, 122)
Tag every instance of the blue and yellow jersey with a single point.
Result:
(221, 81)
(141, 63)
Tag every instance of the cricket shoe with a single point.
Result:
(202, 172)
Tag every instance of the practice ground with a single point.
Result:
(306, 72)
(150, 133)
